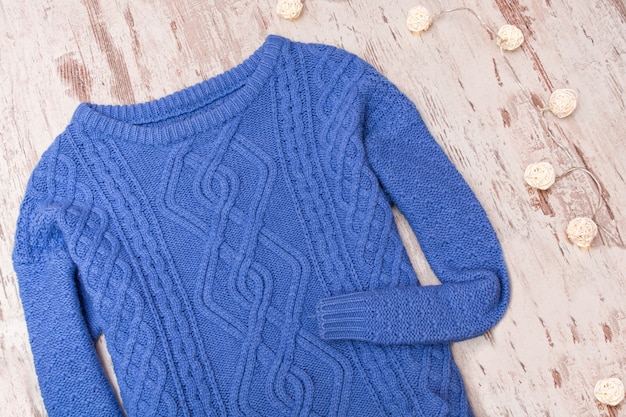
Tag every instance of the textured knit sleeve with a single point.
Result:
(451, 226)
(71, 378)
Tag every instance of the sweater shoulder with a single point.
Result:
(49, 171)
(36, 230)
(331, 66)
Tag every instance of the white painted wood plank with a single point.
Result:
(564, 329)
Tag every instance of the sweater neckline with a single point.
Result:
(181, 114)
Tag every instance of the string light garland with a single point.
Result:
(289, 9)
(419, 19)
(609, 391)
(582, 230)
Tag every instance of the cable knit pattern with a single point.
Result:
(234, 242)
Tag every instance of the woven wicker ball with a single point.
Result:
(289, 9)
(418, 19)
(563, 102)
(539, 175)
(609, 391)
(581, 231)
(509, 37)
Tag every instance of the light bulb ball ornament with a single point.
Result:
(509, 37)
(609, 391)
(289, 9)
(563, 102)
(419, 19)
(539, 175)
(581, 231)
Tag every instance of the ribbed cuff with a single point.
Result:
(346, 316)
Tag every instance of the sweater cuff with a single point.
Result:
(346, 316)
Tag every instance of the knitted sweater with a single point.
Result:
(235, 243)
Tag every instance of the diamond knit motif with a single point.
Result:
(234, 242)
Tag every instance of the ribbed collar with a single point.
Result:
(233, 91)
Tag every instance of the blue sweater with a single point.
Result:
(234, 242)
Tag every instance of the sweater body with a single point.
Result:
(235, 244)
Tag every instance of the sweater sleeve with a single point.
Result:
(70, 375)
(453, 230)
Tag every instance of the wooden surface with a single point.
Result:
(566, 324)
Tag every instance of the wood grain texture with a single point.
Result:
(566, 324)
